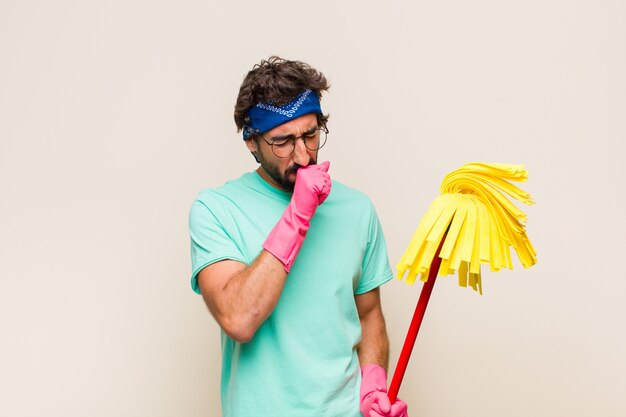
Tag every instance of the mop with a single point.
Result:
(469, 224)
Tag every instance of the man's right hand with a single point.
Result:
(311, 189)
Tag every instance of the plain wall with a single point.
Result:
(114, 115)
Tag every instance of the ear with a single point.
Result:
(252, 147)
(251, 144)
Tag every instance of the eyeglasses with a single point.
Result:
(283, 146)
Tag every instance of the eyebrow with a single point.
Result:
(291, 135)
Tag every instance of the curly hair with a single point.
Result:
(277, 80)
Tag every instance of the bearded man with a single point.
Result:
(289, 263)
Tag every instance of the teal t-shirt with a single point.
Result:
(302, 361)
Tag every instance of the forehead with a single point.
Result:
(299, 124)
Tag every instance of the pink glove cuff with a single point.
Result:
(286, 238)
(373, 378)
(374, 399)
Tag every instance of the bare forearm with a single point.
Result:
(374, 346)
(249, 296)
(256, 289)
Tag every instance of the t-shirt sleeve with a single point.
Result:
(375, 269)
(210, 242)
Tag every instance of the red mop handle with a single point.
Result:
(420, 309)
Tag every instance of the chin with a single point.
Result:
(289, 185)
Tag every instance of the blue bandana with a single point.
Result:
(266, 116)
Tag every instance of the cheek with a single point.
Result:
(280, 165)
(287, 170)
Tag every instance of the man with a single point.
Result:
(289, 269)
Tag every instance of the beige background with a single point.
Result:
(114, 115)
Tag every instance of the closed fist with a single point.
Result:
(312, 181)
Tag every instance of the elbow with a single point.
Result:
(240, 330)
(238, 335)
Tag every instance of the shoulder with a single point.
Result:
(348, 203)
(217, 200)
(228, 188)
(228, 191)
(347, 194)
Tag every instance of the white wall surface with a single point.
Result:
(114, 115)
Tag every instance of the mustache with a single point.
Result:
(292, 169)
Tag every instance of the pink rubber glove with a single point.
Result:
(311, 189)
(374, 399)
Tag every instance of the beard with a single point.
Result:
(281, 178)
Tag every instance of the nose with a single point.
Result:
(300, 153)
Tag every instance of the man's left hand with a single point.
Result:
(374, 399)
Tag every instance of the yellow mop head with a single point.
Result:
(479, 224)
